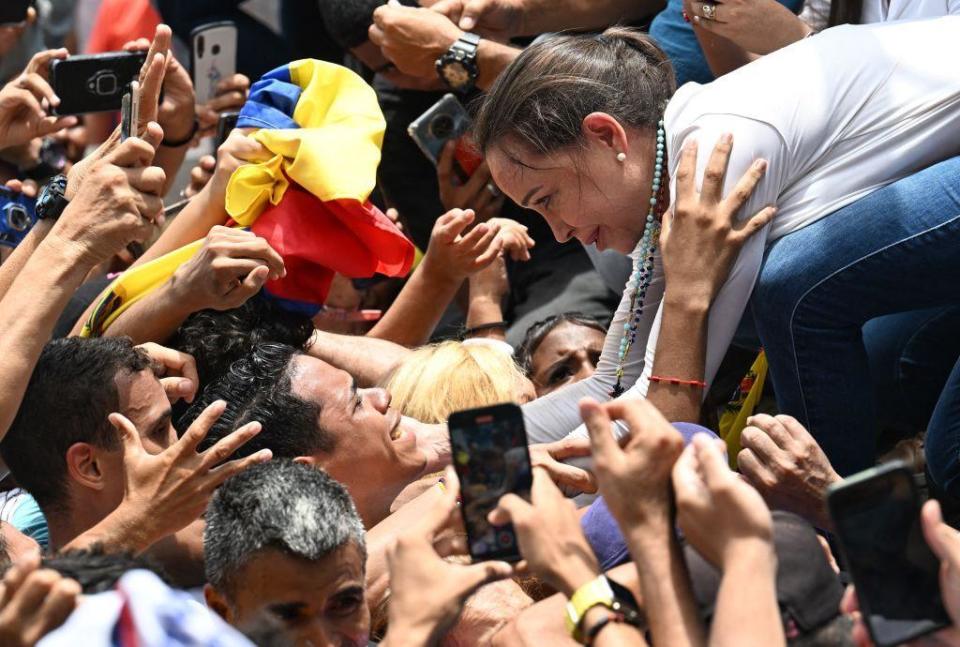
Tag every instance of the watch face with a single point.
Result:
(456, 75)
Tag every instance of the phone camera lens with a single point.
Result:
(17, 218)
(442, 126)
(201, 46)
(215, 50)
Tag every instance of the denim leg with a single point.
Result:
(892, 251)
(911, 356)
(942, 448)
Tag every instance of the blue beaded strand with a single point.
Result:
(643, 267)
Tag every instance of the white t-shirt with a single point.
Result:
(816, 13)
(837, 116)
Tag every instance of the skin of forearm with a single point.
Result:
(195, 221)
(21, 254)
(418, 308)
(681, 353)
(170, 159)
(541, 16)
(747, 613)
(154, 318)
(722, 54)
(368, 359)
(492, 59)
(486, 310)
(671, 610)
(29, 312)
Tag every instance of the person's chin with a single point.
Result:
(616, 241)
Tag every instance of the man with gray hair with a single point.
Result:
(283, 542)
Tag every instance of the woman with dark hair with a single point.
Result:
(561, 350)
(588, 131)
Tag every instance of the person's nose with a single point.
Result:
(379, 398)
(317, 635)
(561, 231)
(585, 369)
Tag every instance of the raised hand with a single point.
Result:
(497, 19)
(702, 235)
(786, 465)
(718, 513)
(230, 97)
(230, 267)
(550, 456)
(412, 38)
(478, 193)
(119, 201)
(34, 602)
(177, 371)
(177, 111)
(634, 480)
(25, 110)
(453, 254)
(416, 567)
(551, 541)
(166, 492)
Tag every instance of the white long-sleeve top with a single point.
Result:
(816, 13)
(836, 116)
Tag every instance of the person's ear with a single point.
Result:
(309, 461)
(85, 466)
(601, 129)
(217, 603)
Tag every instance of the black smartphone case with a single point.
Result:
(94, 83)
(14, 11)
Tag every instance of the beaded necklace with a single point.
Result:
(643, 267)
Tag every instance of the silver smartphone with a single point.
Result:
(213, 57)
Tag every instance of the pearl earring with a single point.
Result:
(621, 157)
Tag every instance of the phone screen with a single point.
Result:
(491, 459)
(896, 574)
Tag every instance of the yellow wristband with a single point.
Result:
(589, 595)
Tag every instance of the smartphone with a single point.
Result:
(491, 458)
(17, 216)
(876, 515)
(213, 57)
(130, 112)
(94, 83)
(225, 125)
(445, 120)
(14, 11)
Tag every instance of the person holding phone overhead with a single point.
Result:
(615, 128)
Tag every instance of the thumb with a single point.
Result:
(129, 436)
(599, 427)
(943, 540)
(471, 14)
(178, 388)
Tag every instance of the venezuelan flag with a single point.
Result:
(310, 201)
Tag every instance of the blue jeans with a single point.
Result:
(896, 250)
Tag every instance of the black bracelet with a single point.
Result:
(591, 634)
(487, 326)
(186, 140)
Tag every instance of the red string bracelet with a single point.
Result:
(678, 382)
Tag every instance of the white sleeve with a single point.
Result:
(752, 140)
(953, 7)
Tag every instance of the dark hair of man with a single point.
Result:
(281, 505)
(348, 21)
(258, 388)
(97, 571)
(538, 332)
(67, 401)
(217, 339)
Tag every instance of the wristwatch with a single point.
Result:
(52, 199)
(603, 592)
(458, 66)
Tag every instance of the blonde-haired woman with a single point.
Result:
(436, 380)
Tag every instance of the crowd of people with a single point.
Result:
(708, 247)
